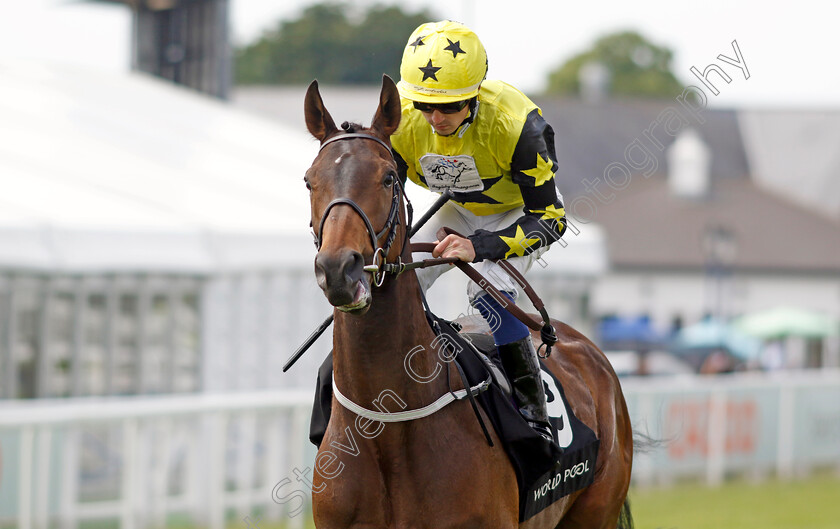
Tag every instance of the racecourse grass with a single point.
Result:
(798, 504)
(813, 503)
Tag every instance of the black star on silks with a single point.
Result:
(418, 42)
(455, 48)
(429, 71)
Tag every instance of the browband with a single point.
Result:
(351, 135)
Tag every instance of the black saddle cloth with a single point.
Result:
(545, 472)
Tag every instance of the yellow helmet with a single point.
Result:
(442, 62)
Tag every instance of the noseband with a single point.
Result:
(379, 252)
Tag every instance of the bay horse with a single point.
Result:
(438, 471)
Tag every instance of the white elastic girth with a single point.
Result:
(407, 415)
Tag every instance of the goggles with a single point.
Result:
(443, 108)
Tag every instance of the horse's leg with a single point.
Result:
(599, 505)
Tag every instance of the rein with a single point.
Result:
(546, 330)
(379, 267)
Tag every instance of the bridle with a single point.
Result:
(380, 253)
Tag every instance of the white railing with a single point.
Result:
(785, 424)
(209, 458)
(141, 460)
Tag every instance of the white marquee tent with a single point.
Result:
(102, 172)
(152, 239)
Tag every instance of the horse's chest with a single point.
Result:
(418, 487)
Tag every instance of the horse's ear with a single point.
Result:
(387, 117)
(318, 120)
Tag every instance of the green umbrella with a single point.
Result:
(781, 322)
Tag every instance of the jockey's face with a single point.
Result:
(446, 124)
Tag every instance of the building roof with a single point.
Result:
(795, 153)
(104, 171)
(591, 136)
(760, 184)
(649, 227)
(284, 103)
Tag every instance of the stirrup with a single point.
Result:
(543, 429)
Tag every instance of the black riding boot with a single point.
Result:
(523, 369)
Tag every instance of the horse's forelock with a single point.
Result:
(352, 127)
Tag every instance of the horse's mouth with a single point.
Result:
(361, 300)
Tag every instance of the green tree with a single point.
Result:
(634, 67)
(330, 43)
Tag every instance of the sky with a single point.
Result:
(789, 53)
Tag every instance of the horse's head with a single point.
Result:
(356, 198)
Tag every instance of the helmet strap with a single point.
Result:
(462, 128)
(473, 104)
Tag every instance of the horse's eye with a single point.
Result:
(389, 180)
(306, 181)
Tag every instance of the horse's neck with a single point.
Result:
(369, 355)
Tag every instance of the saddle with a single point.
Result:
(545, 471)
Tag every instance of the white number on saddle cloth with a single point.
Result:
(557, 409)
(458, 173)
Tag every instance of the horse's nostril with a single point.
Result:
(339, 271)
(320, 272)
(354, 267)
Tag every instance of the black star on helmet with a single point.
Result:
(429, 71)
(418, 42)
(455, 48)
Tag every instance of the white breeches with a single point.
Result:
(466, 223)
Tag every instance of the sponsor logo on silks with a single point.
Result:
(456, 173)
(560, 478)
(557, 410)
(572, 472)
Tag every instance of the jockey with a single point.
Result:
(488, 143)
